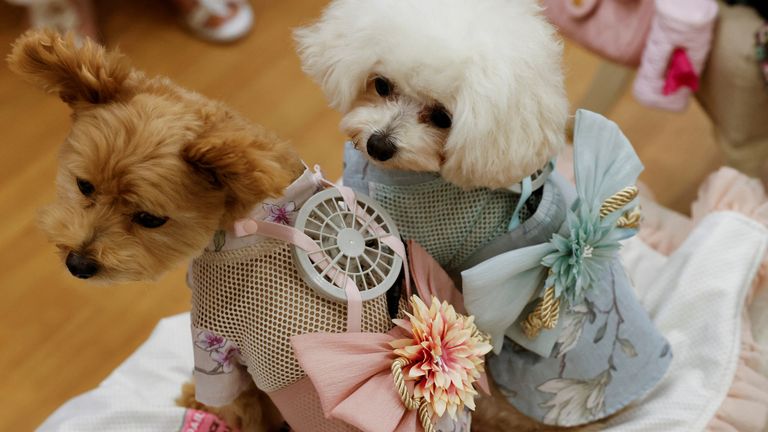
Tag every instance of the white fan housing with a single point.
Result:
(351, 246)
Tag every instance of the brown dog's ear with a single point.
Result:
(249, 166)
(85, 73)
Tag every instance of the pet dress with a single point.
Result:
(578, 346)
(464, 229)
(248, 300)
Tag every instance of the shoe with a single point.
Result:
(219, 20)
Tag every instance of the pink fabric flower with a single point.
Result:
(226, 357)
(282, 214)
(446, 355)
(209, 341)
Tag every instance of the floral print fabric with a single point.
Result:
(604, 358)
(219, 372)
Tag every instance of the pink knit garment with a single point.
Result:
(676, 51)
(615, 30)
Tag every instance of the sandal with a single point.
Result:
(217, 20)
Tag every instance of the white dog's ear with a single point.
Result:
(506, 125)
(325, 49)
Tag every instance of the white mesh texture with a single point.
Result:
(255, 297)
(449, 222)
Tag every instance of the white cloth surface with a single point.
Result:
(139, 395)
(695, 297)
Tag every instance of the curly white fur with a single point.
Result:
(495, 65)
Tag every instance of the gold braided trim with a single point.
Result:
(630, 219)
(618, 200)
(545, 315)
(411, 402)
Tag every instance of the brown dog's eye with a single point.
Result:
(148, 220)
(383, 86)
(440, 118)
(86, 187)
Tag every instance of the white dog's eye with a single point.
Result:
(440, 118)
(383, 86)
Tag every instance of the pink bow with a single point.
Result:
(351, 372)
(680, 73)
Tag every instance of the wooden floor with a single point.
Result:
(60, 336)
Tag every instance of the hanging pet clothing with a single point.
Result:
(263, 282)
(459, 228)
(578, 346)
(616, 30)
(675, 53)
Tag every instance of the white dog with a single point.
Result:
(465, 91)
(455, 109)
(472, 89)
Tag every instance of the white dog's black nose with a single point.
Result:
(381, 147)
(81, 266)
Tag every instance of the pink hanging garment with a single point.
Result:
(675, 54)
(616, 30)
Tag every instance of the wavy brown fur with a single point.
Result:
(148, 145)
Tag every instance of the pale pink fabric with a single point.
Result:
(745, 408)
(728, 189)
(299, 403)
(352, 371)
(662, 229)
(431, 280)
(616, 30)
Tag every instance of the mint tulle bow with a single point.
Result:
(520, 294)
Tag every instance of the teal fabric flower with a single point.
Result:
(580, 258)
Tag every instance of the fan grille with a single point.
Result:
(350, 244)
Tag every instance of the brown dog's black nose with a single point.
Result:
(81, 266)
(381, 147)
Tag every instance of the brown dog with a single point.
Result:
(149, 172)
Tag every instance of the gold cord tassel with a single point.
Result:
(411, 402)
(547, 312)
(618, 200)
(630, 219)
(545, 315)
